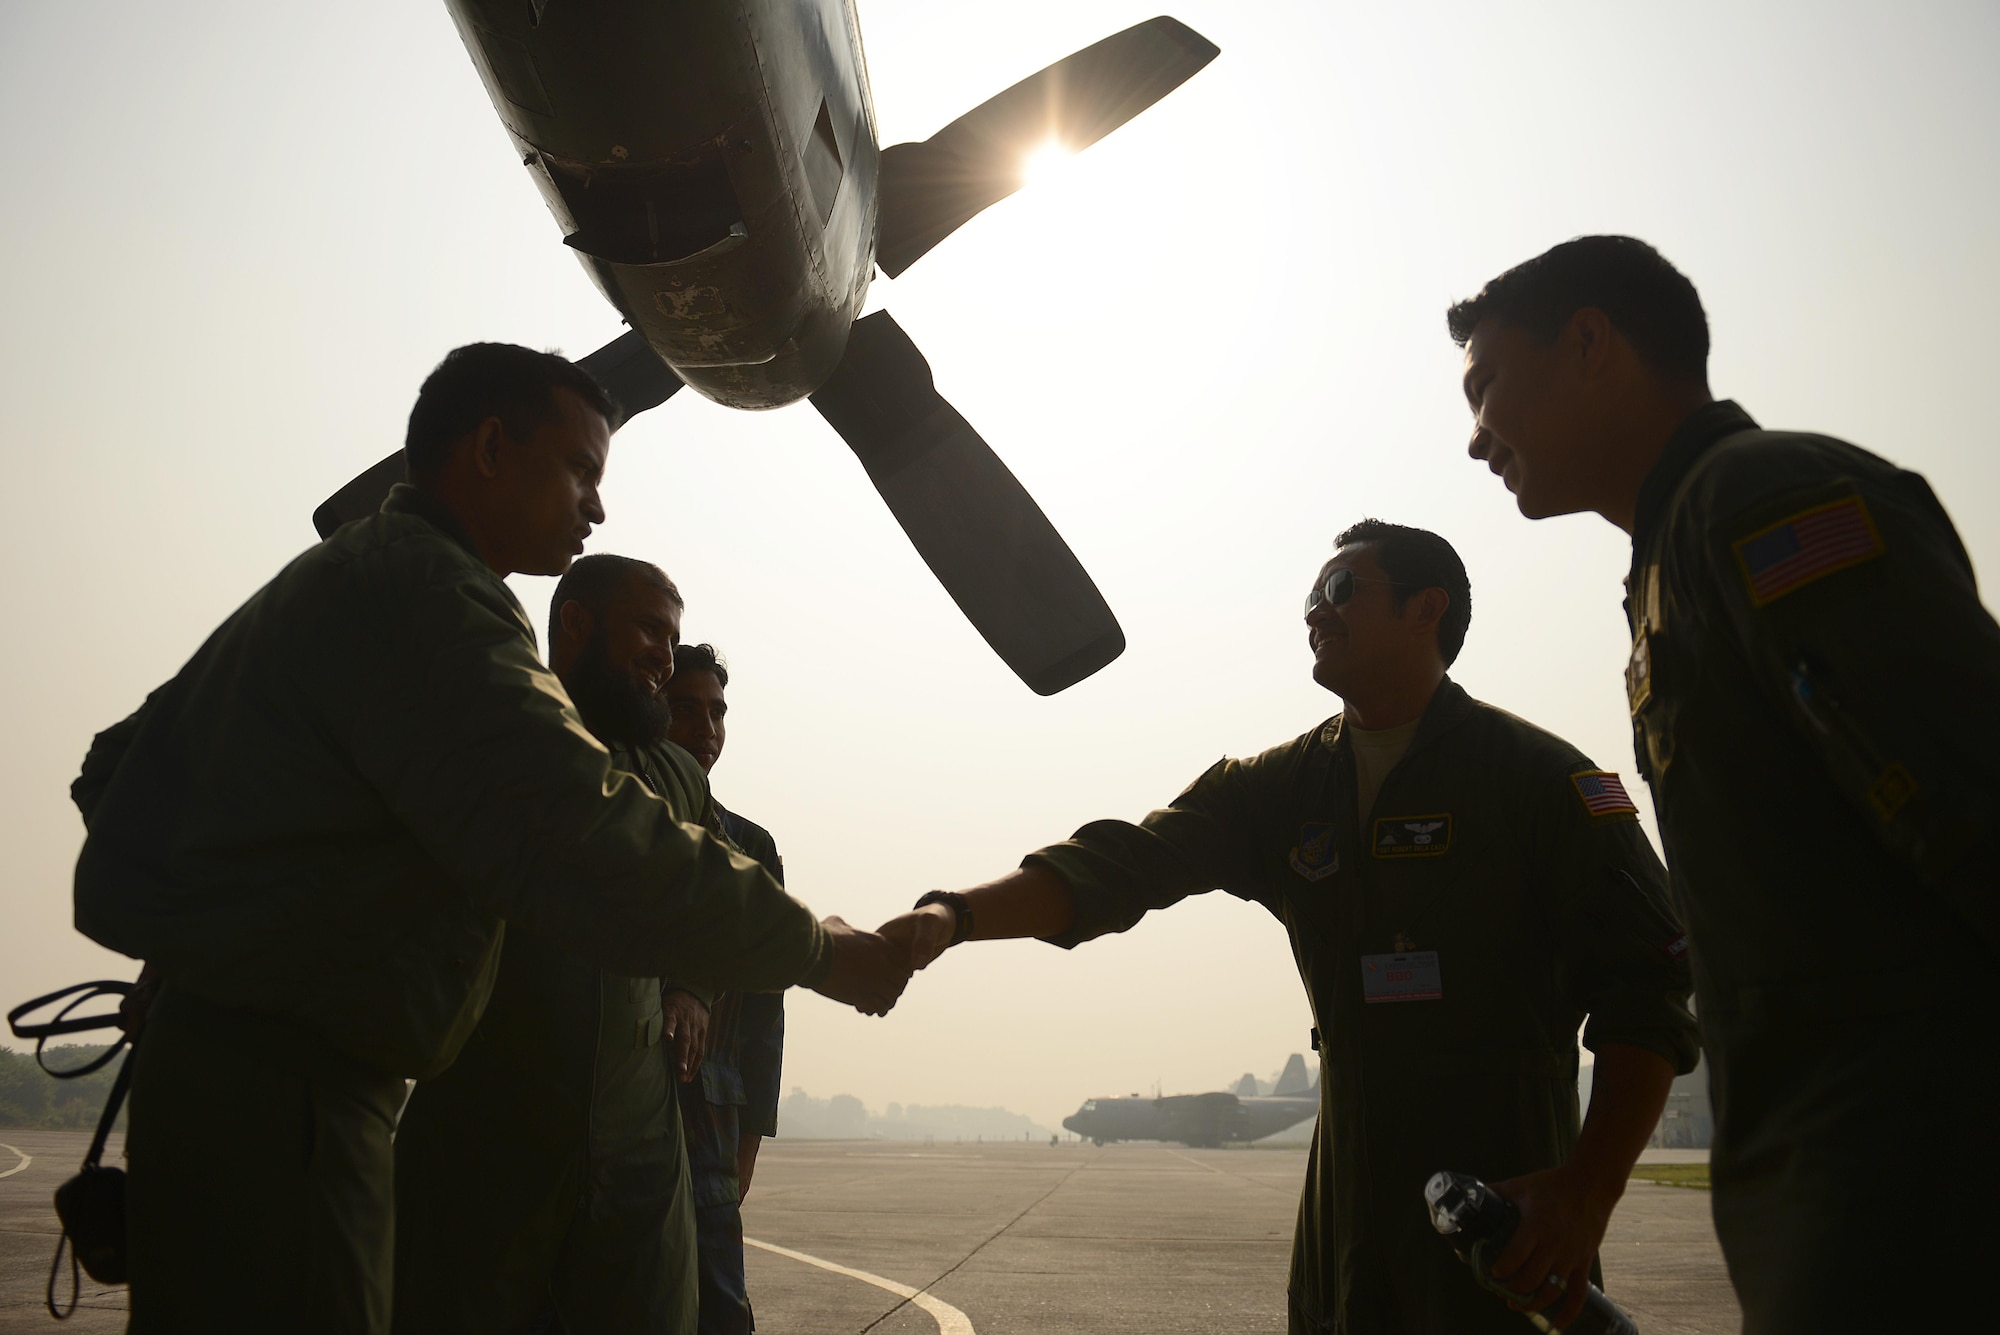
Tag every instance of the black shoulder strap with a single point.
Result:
(66, 1023)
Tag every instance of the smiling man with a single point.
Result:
(314, 832)
(1463, 891)
(1812, 683)
(544, 1172)
(735, 1104)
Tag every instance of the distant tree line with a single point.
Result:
(30, 1097)
(844, 1117)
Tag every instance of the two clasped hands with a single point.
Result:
(871, 969)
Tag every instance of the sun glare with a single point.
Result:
(1046, 163)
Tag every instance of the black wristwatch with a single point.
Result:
(961, 911)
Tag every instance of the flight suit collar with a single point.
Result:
(1449, 706)
(1692, 439)
(405, 499)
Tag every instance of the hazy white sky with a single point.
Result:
(237, 236)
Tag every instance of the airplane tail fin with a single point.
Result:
(1294, 1081)
(1246, 1088)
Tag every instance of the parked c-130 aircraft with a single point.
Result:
(714, 165)
(1202, 1120)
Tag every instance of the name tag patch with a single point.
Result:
(1314, 856)
(1413, 836)
(1410, 977)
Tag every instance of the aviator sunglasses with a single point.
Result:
(1338, 589)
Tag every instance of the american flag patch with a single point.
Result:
(1794, 552)
(1602, 793)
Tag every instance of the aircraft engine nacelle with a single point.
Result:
(731, 228)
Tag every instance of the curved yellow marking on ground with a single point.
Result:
(26, 1159)
(950, 1320)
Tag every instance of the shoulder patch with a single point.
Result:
(1602, 793)
(1413, 836)
(1809, 545)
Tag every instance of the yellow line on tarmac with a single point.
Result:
(26, 1159)
(950, 1320)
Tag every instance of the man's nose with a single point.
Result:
(1481, 444)
(1319, 613)
(593, 508)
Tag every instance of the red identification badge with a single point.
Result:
(1414, 976)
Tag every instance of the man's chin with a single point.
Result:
(1533, 505)
(552, 565)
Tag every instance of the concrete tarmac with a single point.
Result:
(996, 1239)
(1025, 1239)
(28, 1233)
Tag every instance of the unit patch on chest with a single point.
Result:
(1639, 673)
(1314, 856)
(1413, 836)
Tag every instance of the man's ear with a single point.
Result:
(576, 621)
(1593, 339)
(487, 439)
(1426, 610)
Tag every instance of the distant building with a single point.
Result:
(1688, 1122)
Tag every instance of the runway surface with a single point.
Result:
(997, 1239)
(1030, 1240)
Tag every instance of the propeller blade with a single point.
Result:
(361, 497)
(629, 371)
(632, 374)
(974, 524)
(930, 190)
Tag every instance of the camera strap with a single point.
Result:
(96, 1191)
(81, 994)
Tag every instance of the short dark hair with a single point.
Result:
(1416, 559)
(1649, 301)
(482, 380)
(596, 579)
(701, 658)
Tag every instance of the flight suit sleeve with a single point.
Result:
(1855, 603)
(448, 714)
(107, 749)
(1205, 840)
(1621, 952)
(761, 1036)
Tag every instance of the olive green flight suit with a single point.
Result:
(314, 832)
(1482, 847)
(546, 1169)
(1815, 690)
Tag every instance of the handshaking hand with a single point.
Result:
(922, 934)
(869, 972)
